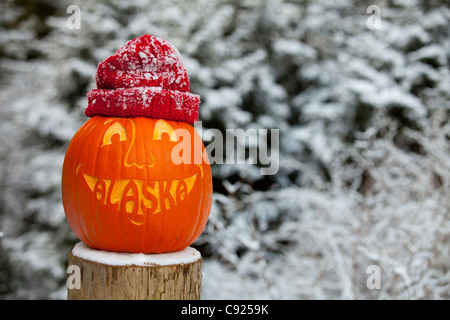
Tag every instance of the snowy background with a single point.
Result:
(364, 126)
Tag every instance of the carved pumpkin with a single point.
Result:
(122, 192)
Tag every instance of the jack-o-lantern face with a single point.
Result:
(123, 192)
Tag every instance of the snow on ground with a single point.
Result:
(364, 140)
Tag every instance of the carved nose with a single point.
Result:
(134, 157)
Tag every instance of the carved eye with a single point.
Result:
(116, 128)
(161, 127)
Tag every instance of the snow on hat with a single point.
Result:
(144, 78)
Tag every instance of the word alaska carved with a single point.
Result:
(140, 197)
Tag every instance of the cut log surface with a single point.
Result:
(124, 276)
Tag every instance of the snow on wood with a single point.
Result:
(188, 255)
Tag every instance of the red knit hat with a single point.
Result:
(144, 78)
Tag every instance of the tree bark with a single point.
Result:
(100, 281)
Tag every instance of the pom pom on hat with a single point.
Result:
(144, 78)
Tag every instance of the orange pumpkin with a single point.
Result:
(123, 192)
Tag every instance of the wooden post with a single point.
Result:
(106, 275)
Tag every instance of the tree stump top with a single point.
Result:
(186, 256)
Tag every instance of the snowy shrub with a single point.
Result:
(364, 154)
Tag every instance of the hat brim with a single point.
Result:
(151, 102)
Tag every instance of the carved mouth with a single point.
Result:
(140, 197)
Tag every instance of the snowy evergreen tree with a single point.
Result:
(363, 116)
